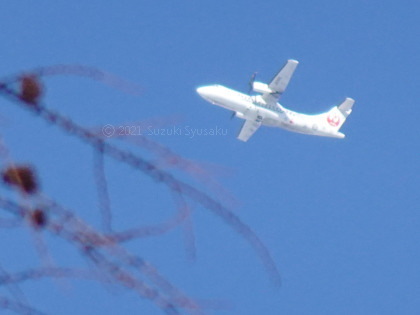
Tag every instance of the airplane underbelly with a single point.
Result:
(234, 105)
(269, 117)
(270, 122)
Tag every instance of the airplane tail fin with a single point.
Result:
(337, 115)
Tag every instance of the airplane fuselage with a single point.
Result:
(269, 114)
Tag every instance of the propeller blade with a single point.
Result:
(251, 82)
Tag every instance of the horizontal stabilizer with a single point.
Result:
(346, 107)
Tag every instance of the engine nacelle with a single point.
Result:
(260, 87)
(240, 115)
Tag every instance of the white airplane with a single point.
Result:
(265, 110)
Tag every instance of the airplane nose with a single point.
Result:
(204, 92)
(208, 93)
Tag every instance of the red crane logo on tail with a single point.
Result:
(333, 120)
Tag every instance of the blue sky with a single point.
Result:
(340, 217)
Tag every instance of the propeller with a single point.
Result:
(251, 86)
(251, 82)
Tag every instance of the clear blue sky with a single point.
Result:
(340, 217)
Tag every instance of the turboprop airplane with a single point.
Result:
(264, 109)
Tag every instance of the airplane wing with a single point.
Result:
(248, 128)
(280, 81)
